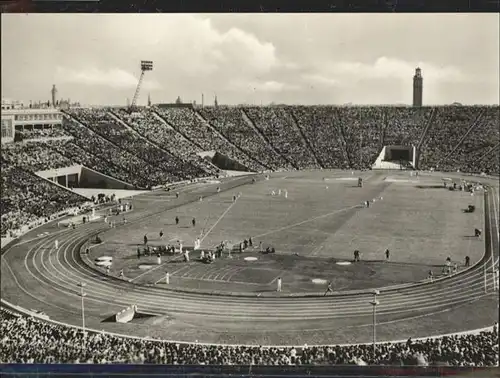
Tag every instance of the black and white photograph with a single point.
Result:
(296, 190)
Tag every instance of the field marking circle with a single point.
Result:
(343, 263)
(250, 258)
(104, 263)
(104, 258)
(319, 281)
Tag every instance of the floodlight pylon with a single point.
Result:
(146, 65)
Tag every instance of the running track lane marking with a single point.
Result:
(96, 245)
(40, 237)
(171, 273)
(36, 297)
(153, 269)
(307, 221)
(247, 283)
(268, 346)
(494, 199)
(218, 220)
(391, 311)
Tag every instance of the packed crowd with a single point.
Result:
(278, 128)
(202, 134)
(53, 132)
(361, 129)
(30, 340)
(149, 125)
(115, 168)
(230, 122)
(157, 146)
(450, 125)
(103, 124)
(27, 198)
(110, 153)
(161, 145)
(483, 141)
(403, 126)
(34, 156)
(321, 128)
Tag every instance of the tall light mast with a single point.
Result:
(146, 65)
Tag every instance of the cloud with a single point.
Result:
(112, 78)
(331, 58)
(192, 46)
(319, 80)
(244, 48)
(387, 68)
(270, 86)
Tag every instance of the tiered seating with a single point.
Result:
(50, 343)
(109, 153)
(480, 140)
(153, 129)
(404, 125)
(318, 125)
(199, 132)
(229, 122)
(362, 130)
(27, 197)
(103, 124)
(334, 134)
(83, 157)
(278, 128)
(489, 164)
(34, 156)
(449, 127)
(55, 132)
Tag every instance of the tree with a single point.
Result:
(178, 101)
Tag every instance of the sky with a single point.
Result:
(251, 58)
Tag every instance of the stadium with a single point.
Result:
(232, 238)
(212, 175)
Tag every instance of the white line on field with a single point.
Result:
(218, 220)
(306, 221)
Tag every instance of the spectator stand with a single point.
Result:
(449, 127)
(104, 347)
(480, 143)
(128, 142)
(27, 199)
(196, 129)
(230, 123)
(142, 174)
(320, 132)
(156, 131)
(274, 132)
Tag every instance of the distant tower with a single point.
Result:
(202, 100)
(149, 99)
(216, 104)
(54, 94)
(418, 87)
(128, 102)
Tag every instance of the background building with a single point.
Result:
(8, 104)
(28, 119)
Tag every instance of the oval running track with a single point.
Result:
(48, 280)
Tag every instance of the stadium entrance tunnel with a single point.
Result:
(227, 164)
(396, 157)
(129, 315)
